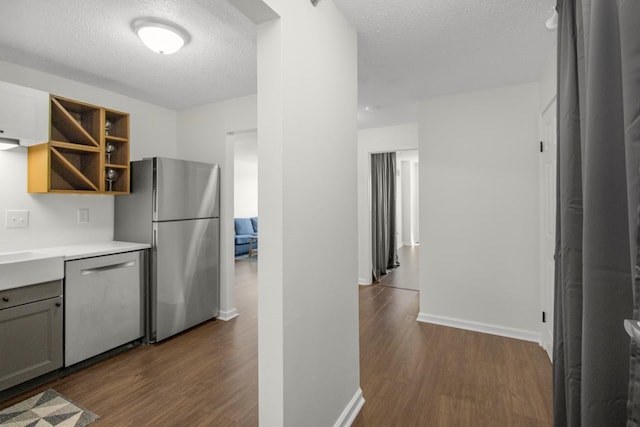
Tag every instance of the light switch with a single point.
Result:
(16, 219)
(83, 216)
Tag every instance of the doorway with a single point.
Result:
(407, 213)
(242, 139)
(245, 195)
(405, 276)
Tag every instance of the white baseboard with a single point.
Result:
(227, 315)
(350, 413)
(480, 327)
(364, 282)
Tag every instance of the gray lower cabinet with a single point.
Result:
(104, 305)
(31, 319)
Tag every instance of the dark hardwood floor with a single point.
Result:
(405, 276)
(207, 376)
(412, 374)
(417, 374)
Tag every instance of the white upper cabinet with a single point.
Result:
(24, 114)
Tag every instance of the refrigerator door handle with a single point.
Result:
(154, 202)
(154, 243)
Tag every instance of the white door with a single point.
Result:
(548, 222)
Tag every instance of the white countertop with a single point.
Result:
(72, 252)
(18, 269)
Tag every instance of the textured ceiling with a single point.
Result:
(416, 49)
(92, 41)
(408, 49)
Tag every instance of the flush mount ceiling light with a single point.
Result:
(160, 36)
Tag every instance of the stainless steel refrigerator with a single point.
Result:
(174, 206)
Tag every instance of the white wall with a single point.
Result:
(407, 164)
(375, 140)
(245, 174)
(479, 211)
(404, 166)
(400, 214)
(53, 217)
(548, 79)
(245, 189)
(205, 134)
(415, 203)
(308, 325)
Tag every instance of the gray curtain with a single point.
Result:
(383, 213)
(596, 371)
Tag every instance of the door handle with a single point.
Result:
(107, 267)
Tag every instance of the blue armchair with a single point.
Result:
(246, 230)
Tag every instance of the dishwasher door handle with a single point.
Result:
(107, 267)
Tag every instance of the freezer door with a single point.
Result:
(185, 275)
(185, 190)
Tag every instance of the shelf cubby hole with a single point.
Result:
(74, 122)
(120, 156)
(119, 124)
(74, 170)
(121, 185)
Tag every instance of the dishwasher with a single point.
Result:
(104, 304)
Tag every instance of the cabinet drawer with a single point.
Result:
(26, 294)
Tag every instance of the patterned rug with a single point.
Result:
(46, 409)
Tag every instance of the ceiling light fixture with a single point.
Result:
(552, 22)
(8, 143)
(160, 36)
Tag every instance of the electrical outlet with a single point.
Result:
(16, 219)
(83, 216)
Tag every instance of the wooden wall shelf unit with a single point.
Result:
(87, 152)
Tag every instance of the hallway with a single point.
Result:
(419, 374)
(406, 276)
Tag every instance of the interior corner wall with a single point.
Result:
(53, 217)
(375, 140)
(549, 79)
(308, 324)
(479, 211)
(203, 135)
